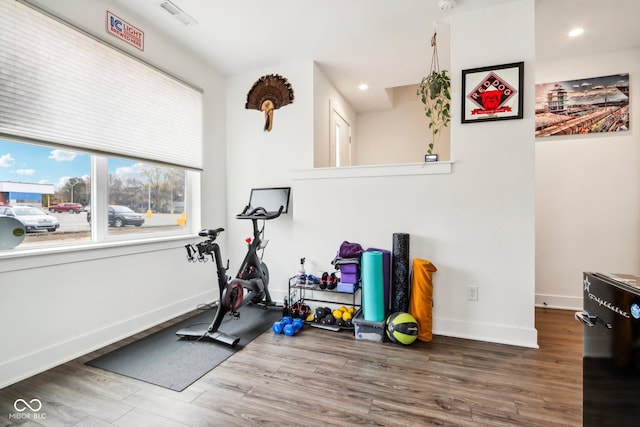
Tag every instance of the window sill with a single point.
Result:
(44, 256)
(375, 171)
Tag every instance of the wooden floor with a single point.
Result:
(321, 378)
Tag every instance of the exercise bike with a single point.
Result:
(251, 284)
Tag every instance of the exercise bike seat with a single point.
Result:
(212, 233)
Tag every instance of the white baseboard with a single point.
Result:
(46, 358)
(559, 302)
(478, 331)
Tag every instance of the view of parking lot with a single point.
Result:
(75, 227)
(48, 190)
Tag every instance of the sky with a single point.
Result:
(595, 88)
(46, 165)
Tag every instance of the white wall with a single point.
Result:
(264, 159)
(57, 307)
(326, 98)
(399, 135)
(587, 191)
(475, 224)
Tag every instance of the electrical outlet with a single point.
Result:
(472, 293)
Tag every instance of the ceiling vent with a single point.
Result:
(178, 13)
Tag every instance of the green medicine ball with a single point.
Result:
(402, 328)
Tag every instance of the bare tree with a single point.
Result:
(75, 190)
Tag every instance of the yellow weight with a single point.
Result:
(346, 316)
(338, 314)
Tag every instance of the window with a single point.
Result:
(98, 129)
(143, 199)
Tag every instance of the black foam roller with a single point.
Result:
(400, 273)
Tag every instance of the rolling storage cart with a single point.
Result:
(311, 293)
(348, 284)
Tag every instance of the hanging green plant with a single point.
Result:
(434, 92)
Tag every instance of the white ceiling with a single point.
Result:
(384, 43)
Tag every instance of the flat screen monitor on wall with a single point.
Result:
(270, 198)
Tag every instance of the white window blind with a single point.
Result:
(59, 85)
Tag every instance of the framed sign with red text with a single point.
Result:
(492, 93)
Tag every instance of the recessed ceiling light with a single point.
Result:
(576, 32)
(363, 86)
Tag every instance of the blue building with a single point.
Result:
(25, 193)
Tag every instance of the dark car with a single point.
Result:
(66, 207)
(119, 216)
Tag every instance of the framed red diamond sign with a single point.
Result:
(492, 93)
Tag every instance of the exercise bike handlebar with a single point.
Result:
(259, 213)
(205, 248)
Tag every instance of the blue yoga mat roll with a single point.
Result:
(372, 286)
(386, 277)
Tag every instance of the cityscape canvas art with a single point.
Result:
(582, 106)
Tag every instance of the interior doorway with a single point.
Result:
(339, 141)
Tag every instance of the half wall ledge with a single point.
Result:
(404, 169)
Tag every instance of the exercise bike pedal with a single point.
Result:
(199, 332)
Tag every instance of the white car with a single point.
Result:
(33, 218)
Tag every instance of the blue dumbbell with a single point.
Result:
(314, 279)
(291, 329)
(278, 327)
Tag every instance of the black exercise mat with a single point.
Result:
(167, 360)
